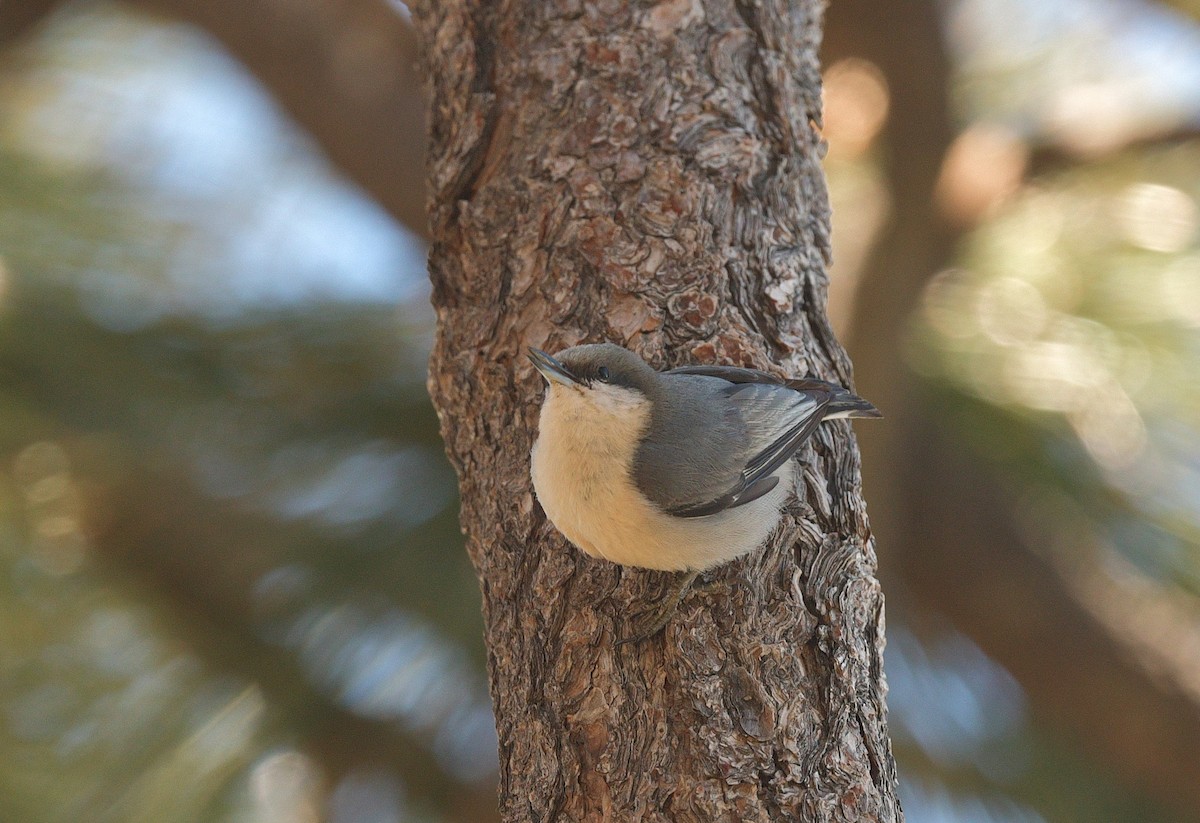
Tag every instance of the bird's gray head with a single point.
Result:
(601, 368)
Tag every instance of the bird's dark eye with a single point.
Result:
(602, 373)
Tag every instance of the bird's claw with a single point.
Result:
(655, 620)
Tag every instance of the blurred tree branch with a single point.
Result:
(1191, 8)
(963, 554)
(1049, 159)
(198, 557)
(946, 524)
(148, 511)
(18, 18)
(344, 69)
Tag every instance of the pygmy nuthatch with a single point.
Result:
(678, 470)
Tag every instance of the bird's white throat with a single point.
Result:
(594, 434)
(587, 438)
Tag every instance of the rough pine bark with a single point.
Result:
(649, 174)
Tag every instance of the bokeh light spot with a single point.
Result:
(856, 106)
(1158, 218)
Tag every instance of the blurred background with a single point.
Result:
(232, 586)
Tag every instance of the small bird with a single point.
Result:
(679, 470)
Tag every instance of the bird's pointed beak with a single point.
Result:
(551, 369)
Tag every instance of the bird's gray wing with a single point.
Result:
(776, 421)
(842, 402)
(731, 374)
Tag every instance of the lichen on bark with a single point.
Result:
(649, 174)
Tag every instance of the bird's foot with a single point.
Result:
(704, 583)
(655, 620)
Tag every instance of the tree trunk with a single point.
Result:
(649, 175)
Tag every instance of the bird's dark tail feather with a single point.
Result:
(848, 404)
(843, 403)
